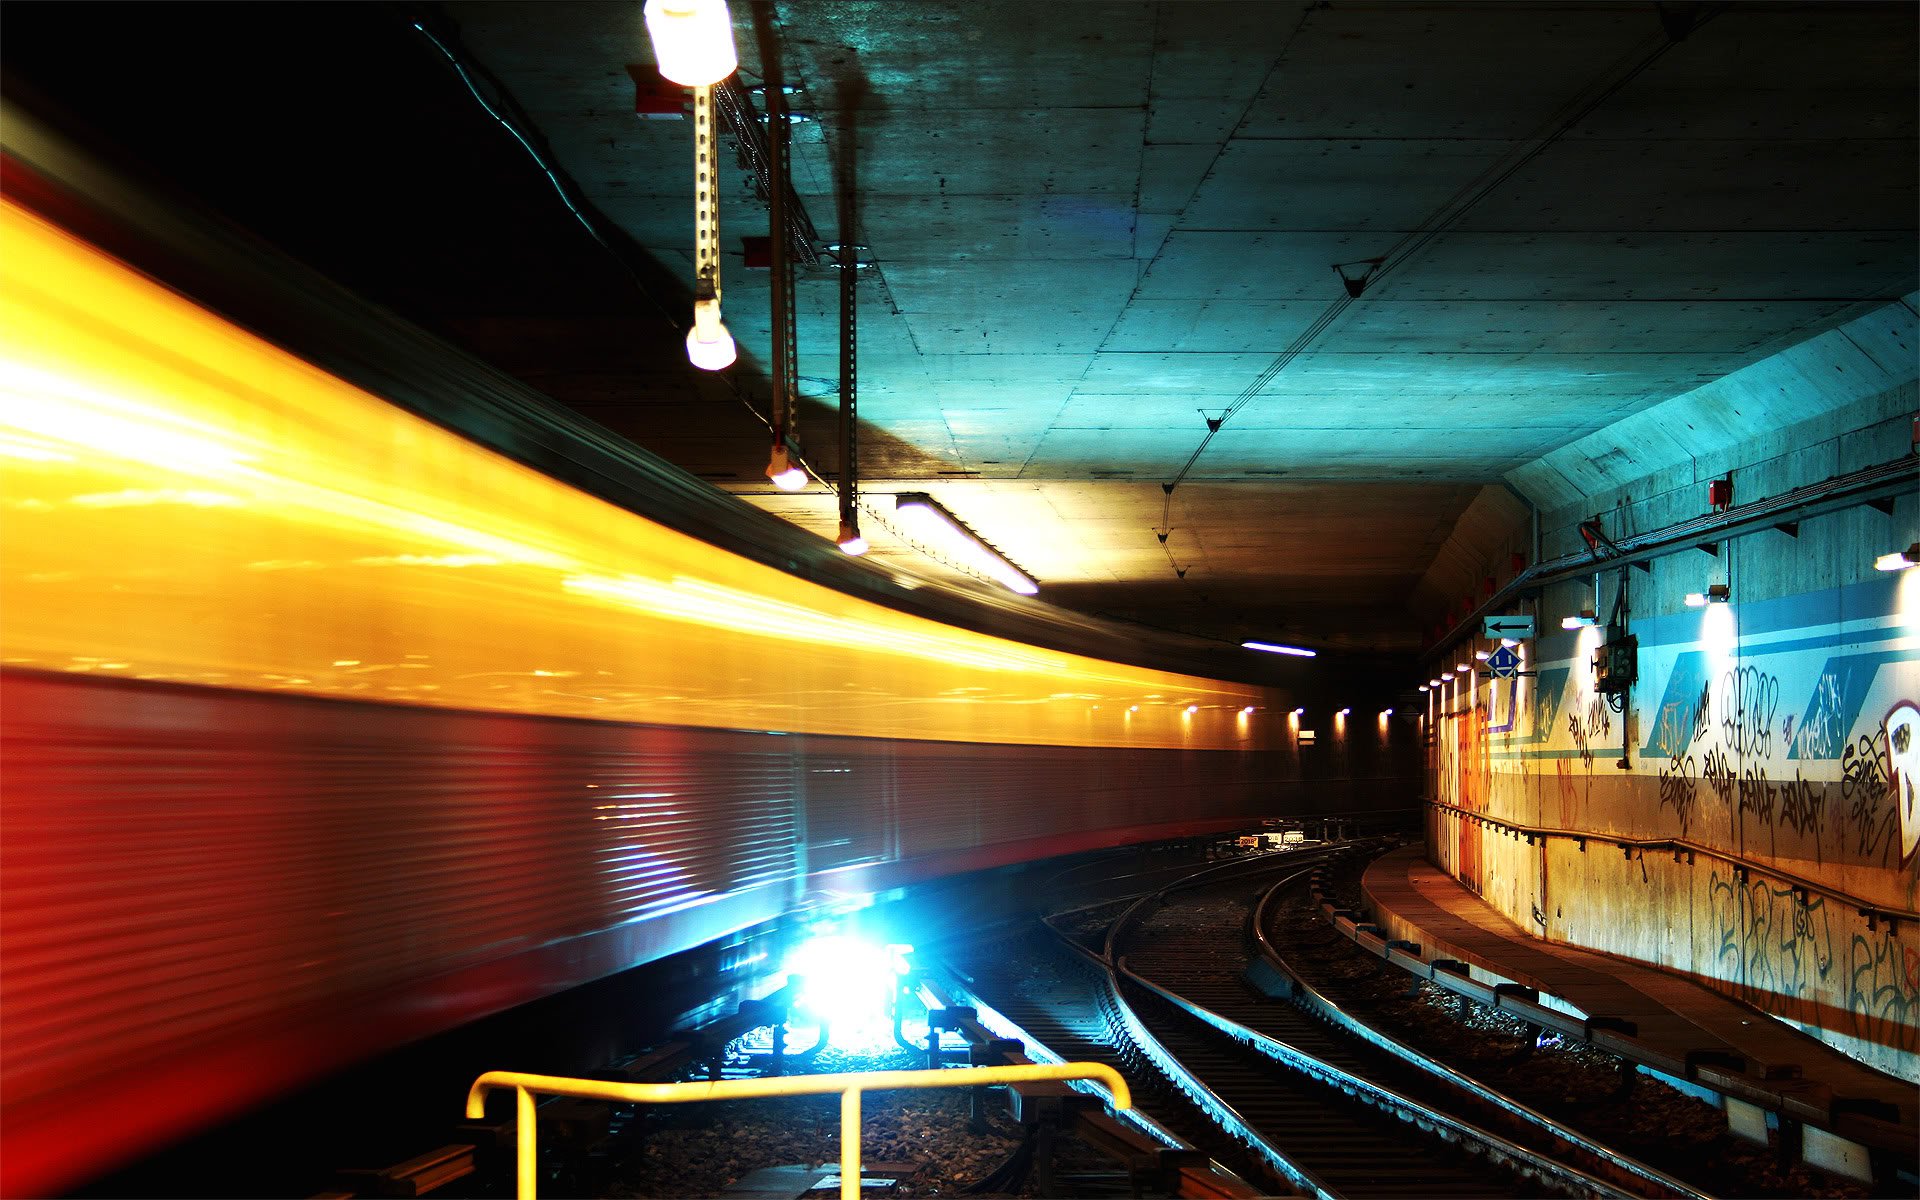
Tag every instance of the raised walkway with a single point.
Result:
(1425, 921)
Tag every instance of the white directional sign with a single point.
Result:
(1516, 626)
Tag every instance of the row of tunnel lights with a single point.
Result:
(1718, 593)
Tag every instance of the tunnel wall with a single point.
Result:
(1772, 743)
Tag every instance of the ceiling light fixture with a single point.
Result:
(1899, 560)
(786, 475)
(709, 345)
(1271, 648)
(692, 40)
(850, 542)
(927, 521)
(693, 44)
(1716, 594)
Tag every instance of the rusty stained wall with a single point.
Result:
(1784, 732)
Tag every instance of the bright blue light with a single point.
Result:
(848, 982)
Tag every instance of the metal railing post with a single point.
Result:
(850, 1144)
(849, 1085)
(526, 1129)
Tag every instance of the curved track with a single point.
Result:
(1319, 1099)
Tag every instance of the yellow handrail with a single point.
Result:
(848, 1083)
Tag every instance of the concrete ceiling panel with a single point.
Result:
(1031, 287)
(1658, 266)
(1171, 171)
(999, 152)
(984, 55)
(957, 227)
(962, 332)
(1114, 373)
(1445, 71)
(1828, 71)
(1211, 326)
(1339, 184)
(1254, 266)
(1707, 186)
(1165, 412)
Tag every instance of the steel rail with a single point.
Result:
(1495, 1148)
(1202, 1177)
(1311, 998)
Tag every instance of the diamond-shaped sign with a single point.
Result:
(1503, 663)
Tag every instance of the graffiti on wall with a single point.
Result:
(1903, 759)
(1883, 990)
(1775, 943)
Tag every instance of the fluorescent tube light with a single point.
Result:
(930, 523)
(1270, 648)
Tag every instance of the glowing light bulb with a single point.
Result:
(850, 541)
(784, 472)
(1899, 560)
(709, 345)
(693, 40)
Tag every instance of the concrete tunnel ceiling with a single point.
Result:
(1094, 226)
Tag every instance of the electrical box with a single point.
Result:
(1616, 665)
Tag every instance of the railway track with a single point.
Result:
(1323, 1107)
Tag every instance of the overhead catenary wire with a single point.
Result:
(1450, 212)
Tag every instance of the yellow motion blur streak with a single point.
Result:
(184, 502)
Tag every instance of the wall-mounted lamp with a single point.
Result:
(1582, 620)
(786, 474)
(1434, 682)
(1423, 687)
(1192, 709)
(1716, 594)
(927, 521)
(1247, 711)
(1509, 643)
(1483, 655)
(1446, 677)
(1133, 708)
(1298, 712)
(1899, 560)
(1386, 712)
(1461, 668)
(1271, 648)
(1343, 712)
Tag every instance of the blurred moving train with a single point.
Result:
(325, 727)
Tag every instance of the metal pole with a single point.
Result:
(781, 260)
(850, 1144)
(524, 1131)
(849, 365)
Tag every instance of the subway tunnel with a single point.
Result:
(1501, 417)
